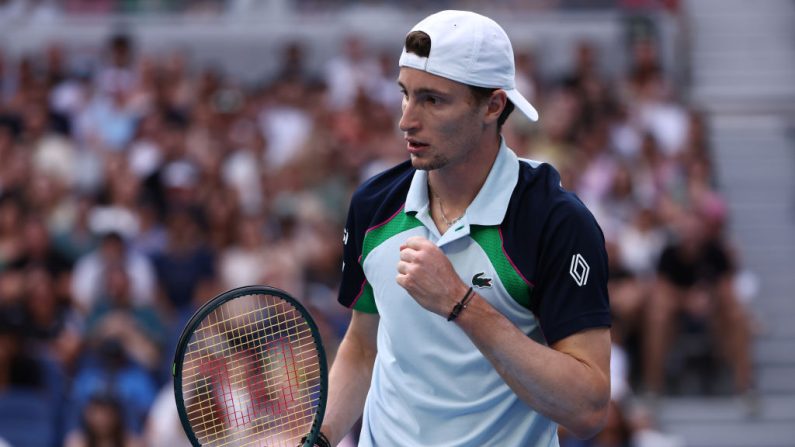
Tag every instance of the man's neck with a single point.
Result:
(459, 184)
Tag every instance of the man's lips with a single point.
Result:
(415, 146)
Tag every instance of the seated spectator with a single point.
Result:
(695, 281)
(38, 251)
(243, 262)
(641, 242)
(186, 262)
(101, 425)
(122, 354)
(72, 236)
(50, 322)
(108, 368)
(29, 388)
(628, 295)
(116, 316)
(87, 276)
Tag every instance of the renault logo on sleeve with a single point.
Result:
(579, 269)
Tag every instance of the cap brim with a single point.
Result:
(522, 104)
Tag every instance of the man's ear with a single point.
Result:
(495, 105)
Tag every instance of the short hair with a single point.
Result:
(419, 43)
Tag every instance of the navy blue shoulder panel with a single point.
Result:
(375, 201)
(556, 244)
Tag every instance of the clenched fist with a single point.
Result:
(428, 276)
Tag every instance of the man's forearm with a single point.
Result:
(349, 382)
(569, 390)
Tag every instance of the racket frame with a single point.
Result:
(210, 306)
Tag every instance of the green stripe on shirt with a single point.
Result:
(398, 223)
(374, 237)
(490, 241)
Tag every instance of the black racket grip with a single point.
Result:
(321, 441)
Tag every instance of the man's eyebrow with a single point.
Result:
(423, 90)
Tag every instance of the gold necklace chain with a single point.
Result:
(448, 222)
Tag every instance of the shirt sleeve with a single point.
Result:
(571, 288)
(355, 291)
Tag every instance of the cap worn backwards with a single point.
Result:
(471, 49)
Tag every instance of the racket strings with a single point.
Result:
(309, 372)
(306, 398)
(221, 344)
(241, 333)
(304, 336)
(270, 345)
(237, 330)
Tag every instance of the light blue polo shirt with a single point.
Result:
(431, 386)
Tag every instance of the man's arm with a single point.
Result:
(568, 382)
(350, 376)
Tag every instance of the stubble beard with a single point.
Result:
(429, 164)
(457, 137)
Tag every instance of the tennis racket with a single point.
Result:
(250, 370)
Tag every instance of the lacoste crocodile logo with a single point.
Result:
(479, 281)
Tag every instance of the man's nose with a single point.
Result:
(409, 119)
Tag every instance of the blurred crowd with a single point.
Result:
(133, 192)
(639, 157)
(47, 10)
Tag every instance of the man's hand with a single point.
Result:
(428, 276)
(321, 441)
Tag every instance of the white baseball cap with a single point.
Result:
(471, 49)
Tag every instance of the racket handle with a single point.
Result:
(321, 441)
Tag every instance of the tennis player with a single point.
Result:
(478, 284)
